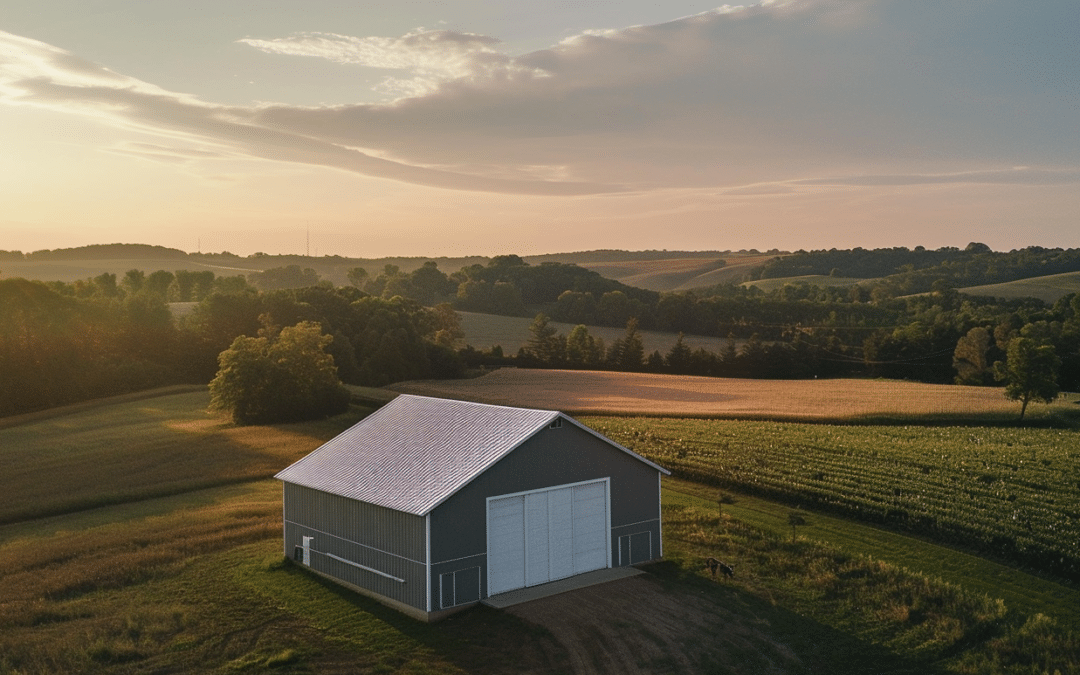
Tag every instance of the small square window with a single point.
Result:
(557, 424)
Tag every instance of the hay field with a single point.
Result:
(594, 392)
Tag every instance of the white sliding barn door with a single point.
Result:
(549, 534)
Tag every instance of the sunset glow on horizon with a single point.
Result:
(465, 128)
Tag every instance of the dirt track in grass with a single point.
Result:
(595, 392)
(635, 627)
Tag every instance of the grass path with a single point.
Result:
(1024, 592)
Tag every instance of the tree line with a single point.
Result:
(65, 342)
(61, 342)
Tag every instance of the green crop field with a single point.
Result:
(1011, 492)
(144, 536)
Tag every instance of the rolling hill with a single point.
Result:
(1049, 288)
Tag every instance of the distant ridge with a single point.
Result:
(655, 270)
(109, 251)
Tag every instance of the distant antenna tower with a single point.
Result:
(307, 253)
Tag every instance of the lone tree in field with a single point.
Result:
(1029, 372)
(286, 378)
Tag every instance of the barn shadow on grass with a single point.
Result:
(478, 640)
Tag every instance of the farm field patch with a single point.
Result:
(1010, 492)
(602, 392)
(484, 331)
(139, 449)
(1049, 288)
(1028, 593)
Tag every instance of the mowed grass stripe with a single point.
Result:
(1026, 593)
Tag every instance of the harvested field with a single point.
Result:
(594, 392)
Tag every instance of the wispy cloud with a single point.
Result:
(430, 56)
(1012, 176)
(166, 154)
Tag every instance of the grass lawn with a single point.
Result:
(141, 449)
(1027, 593)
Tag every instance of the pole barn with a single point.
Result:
(430, 505)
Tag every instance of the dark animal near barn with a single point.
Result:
(713, 565)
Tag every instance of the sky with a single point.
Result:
(474, 127)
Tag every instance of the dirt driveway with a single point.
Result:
(636, 626)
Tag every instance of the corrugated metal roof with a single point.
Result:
(416, 451)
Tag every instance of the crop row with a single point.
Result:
(1011, 492)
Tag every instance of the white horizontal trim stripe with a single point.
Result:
(363, 567)
(334, 536)
(606, 479)
(640, 522)
(443, 562)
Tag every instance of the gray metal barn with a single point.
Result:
(430, 505)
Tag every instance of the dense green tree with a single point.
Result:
(575, 307)
(284, 379)
(358, 276)
(427, 284)
(628, 352)
(546, 345)
(1029, 372)
(133, 281)
(970, 358)
(614, 309)
(159, 282)
(679, 357)
(582, 349)
(290, 276)
(445, 325)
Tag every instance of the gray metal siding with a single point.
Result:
(382, 539)
(551, 457)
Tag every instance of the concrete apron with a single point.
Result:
(521, 595)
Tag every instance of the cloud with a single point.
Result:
(432, 57)
(782, 94)
(166, 154)
(1013, 176)
(37, 74)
